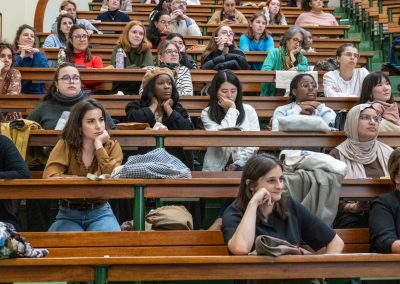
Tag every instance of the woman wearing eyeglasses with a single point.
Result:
(52, 112)
(159, 28)
(168, 56)
(221, 52)
(126, 6)
(302, 100)
(79, 54)
(286, 57)
(376, 90)
(365, 157)
(347, 81)
(136, 48)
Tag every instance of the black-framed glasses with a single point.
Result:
(68, 79)
(80, 37)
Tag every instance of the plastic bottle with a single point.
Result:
(119, 59)
(61, 57)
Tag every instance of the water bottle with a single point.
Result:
(61, 57)
(119, 59)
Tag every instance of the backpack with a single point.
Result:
(340, 119)
(327, 64)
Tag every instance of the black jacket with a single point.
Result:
(234, 60)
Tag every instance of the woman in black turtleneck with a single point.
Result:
(113, 14)
(12, 166)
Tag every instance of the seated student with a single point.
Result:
(302, 100)
(159, 28)
(168, 56)
(365, 157)
(384, 227)
(159, 103)
(163, 5)
(227, 110)
(221, 52)
(12, 166)
(185, 59)
(286, 57)
(64, 92)
(313, 15)
(376, 90)
(60, 39)
(261, 208)
(347, 81)
(85, 147)
(180, 22)
(10, 78)
(273, 14)
(79, 54)
(256, 38)
(136, 48)
(113, 14)
(29, 56)
(228, 15)
(69, 7)
(126, 6)
(307, 42)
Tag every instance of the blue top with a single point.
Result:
(245, 44)
(37, 60)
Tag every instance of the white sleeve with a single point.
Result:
(184, 82)
(282, 111)
(245, 153)
(326, 113)
(228, 121)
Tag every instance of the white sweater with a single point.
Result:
(349, 88)
(217, 157)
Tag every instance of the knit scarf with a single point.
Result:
(355, 153)
(287, 62)
(64, 100)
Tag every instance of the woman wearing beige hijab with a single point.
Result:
(365, 157)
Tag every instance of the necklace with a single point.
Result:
(113, 17)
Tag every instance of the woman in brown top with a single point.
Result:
(85, 148)
(365, 157)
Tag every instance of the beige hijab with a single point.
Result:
(355, 153)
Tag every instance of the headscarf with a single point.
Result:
(356, 154)
(390, 112)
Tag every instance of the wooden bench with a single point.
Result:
(326, 31)
(115, 105)
(110, 40)
(251, 56)
(182, 255)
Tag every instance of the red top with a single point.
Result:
(94, 62)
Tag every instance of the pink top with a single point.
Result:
(312, 19)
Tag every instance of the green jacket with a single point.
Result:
(274, 61)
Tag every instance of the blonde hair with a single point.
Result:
(144, 46)
(67, 2)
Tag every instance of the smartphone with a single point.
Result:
(231, 17)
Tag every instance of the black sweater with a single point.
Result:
(12, 166)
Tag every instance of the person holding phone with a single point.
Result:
(229, 15)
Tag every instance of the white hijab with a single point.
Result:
(356, 154)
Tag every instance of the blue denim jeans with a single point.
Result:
(99, 219)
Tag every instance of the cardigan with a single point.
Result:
(53, 41)
(274, 61)
(38, 59)
(66, 161)
(351, 88)
(216, 158)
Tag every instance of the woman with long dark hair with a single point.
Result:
(159, 28)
